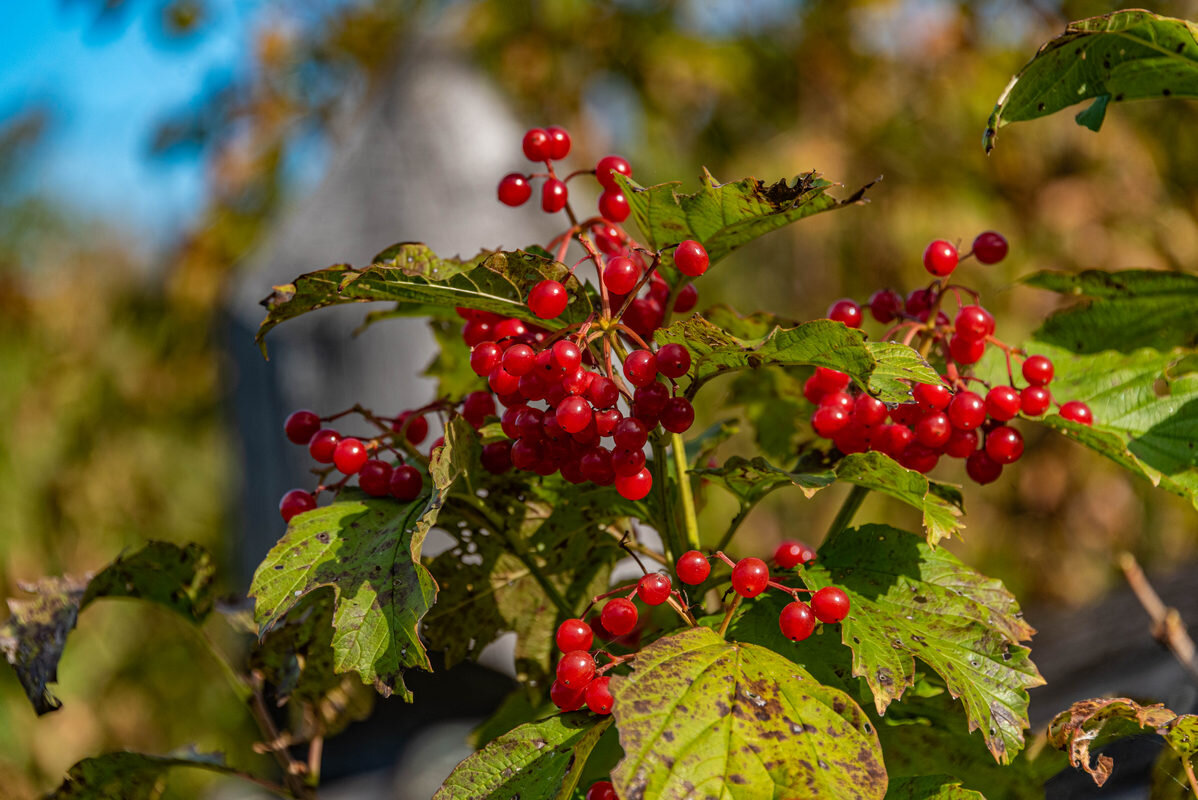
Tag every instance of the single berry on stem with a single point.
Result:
(601, 790)
(559, 142)
(967, 410)
(653, 589)
(691, 258)
(323, 444)
(349, 455)
(966, 351)
(576, 669)
(932, 396)
(574, 634)
(640, 367)
(301, 426)
(606, 166)
(750, 576)
(830, 604)
(406, 483)
(673, 360)
(990, 247)
(536, 145)
(635, 487)
(940, 258)
(974, 322)
(1037, 370)
(982, 468)
(692, 568)
(1035, 400)
(678, 415)
(375, 477)
(599, 699)
(514, 189)
(567, 698)
(1004, 444)
(613, 205)
(1077, 411)
(1003, 403)
(796, 621)
(297, 501)
(790, 554)
(554, 196)
(619, 616)
(548, 299)
(621, 275)
(846, 311)
(885, 305)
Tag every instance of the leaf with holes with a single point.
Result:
(700, 716)
(911, 601)
(1126, 55)
(131, 776)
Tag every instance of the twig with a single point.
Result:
(728, 615)
(1167, 625)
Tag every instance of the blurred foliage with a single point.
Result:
(110, 381)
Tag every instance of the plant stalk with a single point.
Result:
(847, 510)
(728, 616)
(670, 537)
(684, 488)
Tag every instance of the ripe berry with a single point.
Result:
(477, 406)
(349, 455)
(827, 420)
(576, 669)
(626, 462)
(596, 466)
(375, 477)
(406, 483)
(510, 329)
(554, 196)
(919, 458)
(967, 410)
(567, 698)
(619, 617)
(606, 421)
(974, 322)
(631, 433)
(932, 396)
(842, 400)
(559, 142)
(573, 414)
(566, 356)
(1037, 370)
(1077, 411)
(477, 331)
(640, 368)
(796, 621)
(297, 501)
(602, 392)
(1035, 400)
(893, 440)
(690, 258)
(417, 429)
(852, 438)
(548, 299)
(485, 357)
(653, 589)
(966, 351)
(940, 258)
(1003, 403)
(917, 301)
(536, 145)
(990, 247)
(574, 634)
(790, 554)
(634, 487)
(301, 426)
(830, 380)
(496, 457)
(644, 315)
(599, 699)
(692, 568)
(982, 468)
(613, 205)
(673, 360)
(503, 382)
(605, 167)
(933, 430)
(678, 415)
(846, 311)
(526, 454)
(868, 411)
(620, 275)
(885, 305)
(514, 189)
(830, 604)
(322, 445)
(750, 576)
(1004, 444)
(519, 360)
(601, 790)
(961, 444)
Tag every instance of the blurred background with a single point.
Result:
(164, 162)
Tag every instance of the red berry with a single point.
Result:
(496, 457)
(990, 247)
(893, 440)
(687, 297)
(576, 669)
(477, 406)
(485, 357)
(678, 415)
(567, 698)
(932, 396)
(933, 430)
(966, 351)
(846, 311)
(349, 456)
(1003, 403)
(967, 410)
(477, 331)
(613, 205)
(301, 426)
(554, 196)
(1037, 370)
(830, 604)
(868, 411)
(796, 621)
(673, 360)
(634, 487)
(644, 315)
(619, 617)
(519, 360)
(566, 356)
(750, 576)
(640, 368)
(631, 433)
(536, 145)
(406, 483)
(827, 420)
(503, 382)
(626, 462)
(1035, 400)
(917, 301)
(417, 428)
(919, 458)
(322, 445)
(940, 258)
(573, 414)
(599, 699)
(852, 438)
(514, 189)
(607, 420)
(692, 568)
(510, 329)
(830, 380)
(1077, 411)
(605, 167)
(974, 322)
(982, 468)
(375, 477)
(559, 142)
(885, 305)
(690, 258)
(961, 443)
(574, 634)
(791, 554)
(842, 400)
(1004, 444)
(653, 589)
(297, 501)
(602, 392)
(596, 466)
(548, 299)
(601, 790)
(621, 275)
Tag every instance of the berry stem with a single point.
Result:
(649, 271)
(686, 615)
(684, 488)
(728, 616)
(843, 517)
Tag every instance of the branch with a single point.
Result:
(1167, 625)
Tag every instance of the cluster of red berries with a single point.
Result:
(943, 419)
(351, 456)
(553, 144)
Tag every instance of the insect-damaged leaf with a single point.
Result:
(34, 636)
(703, 717)
(131, 776)
(910, 601)
(1126, 55)
(536, 761)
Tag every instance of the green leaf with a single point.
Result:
(420, 282)
(911, 601)
(726, 216)
(451, 365)
(701, 716)
(131, 776)
(1126, 55)
(1123, 311)
(774, 405)
(34, 636)
(876, 366)
(930, 787)
(940, 504)
(536, 761)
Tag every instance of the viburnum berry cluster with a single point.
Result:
(965, 417)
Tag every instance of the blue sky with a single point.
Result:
(105, 94)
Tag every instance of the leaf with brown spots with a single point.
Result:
(701, 717)
(911, 601)
(536, 761)
(131, 776)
